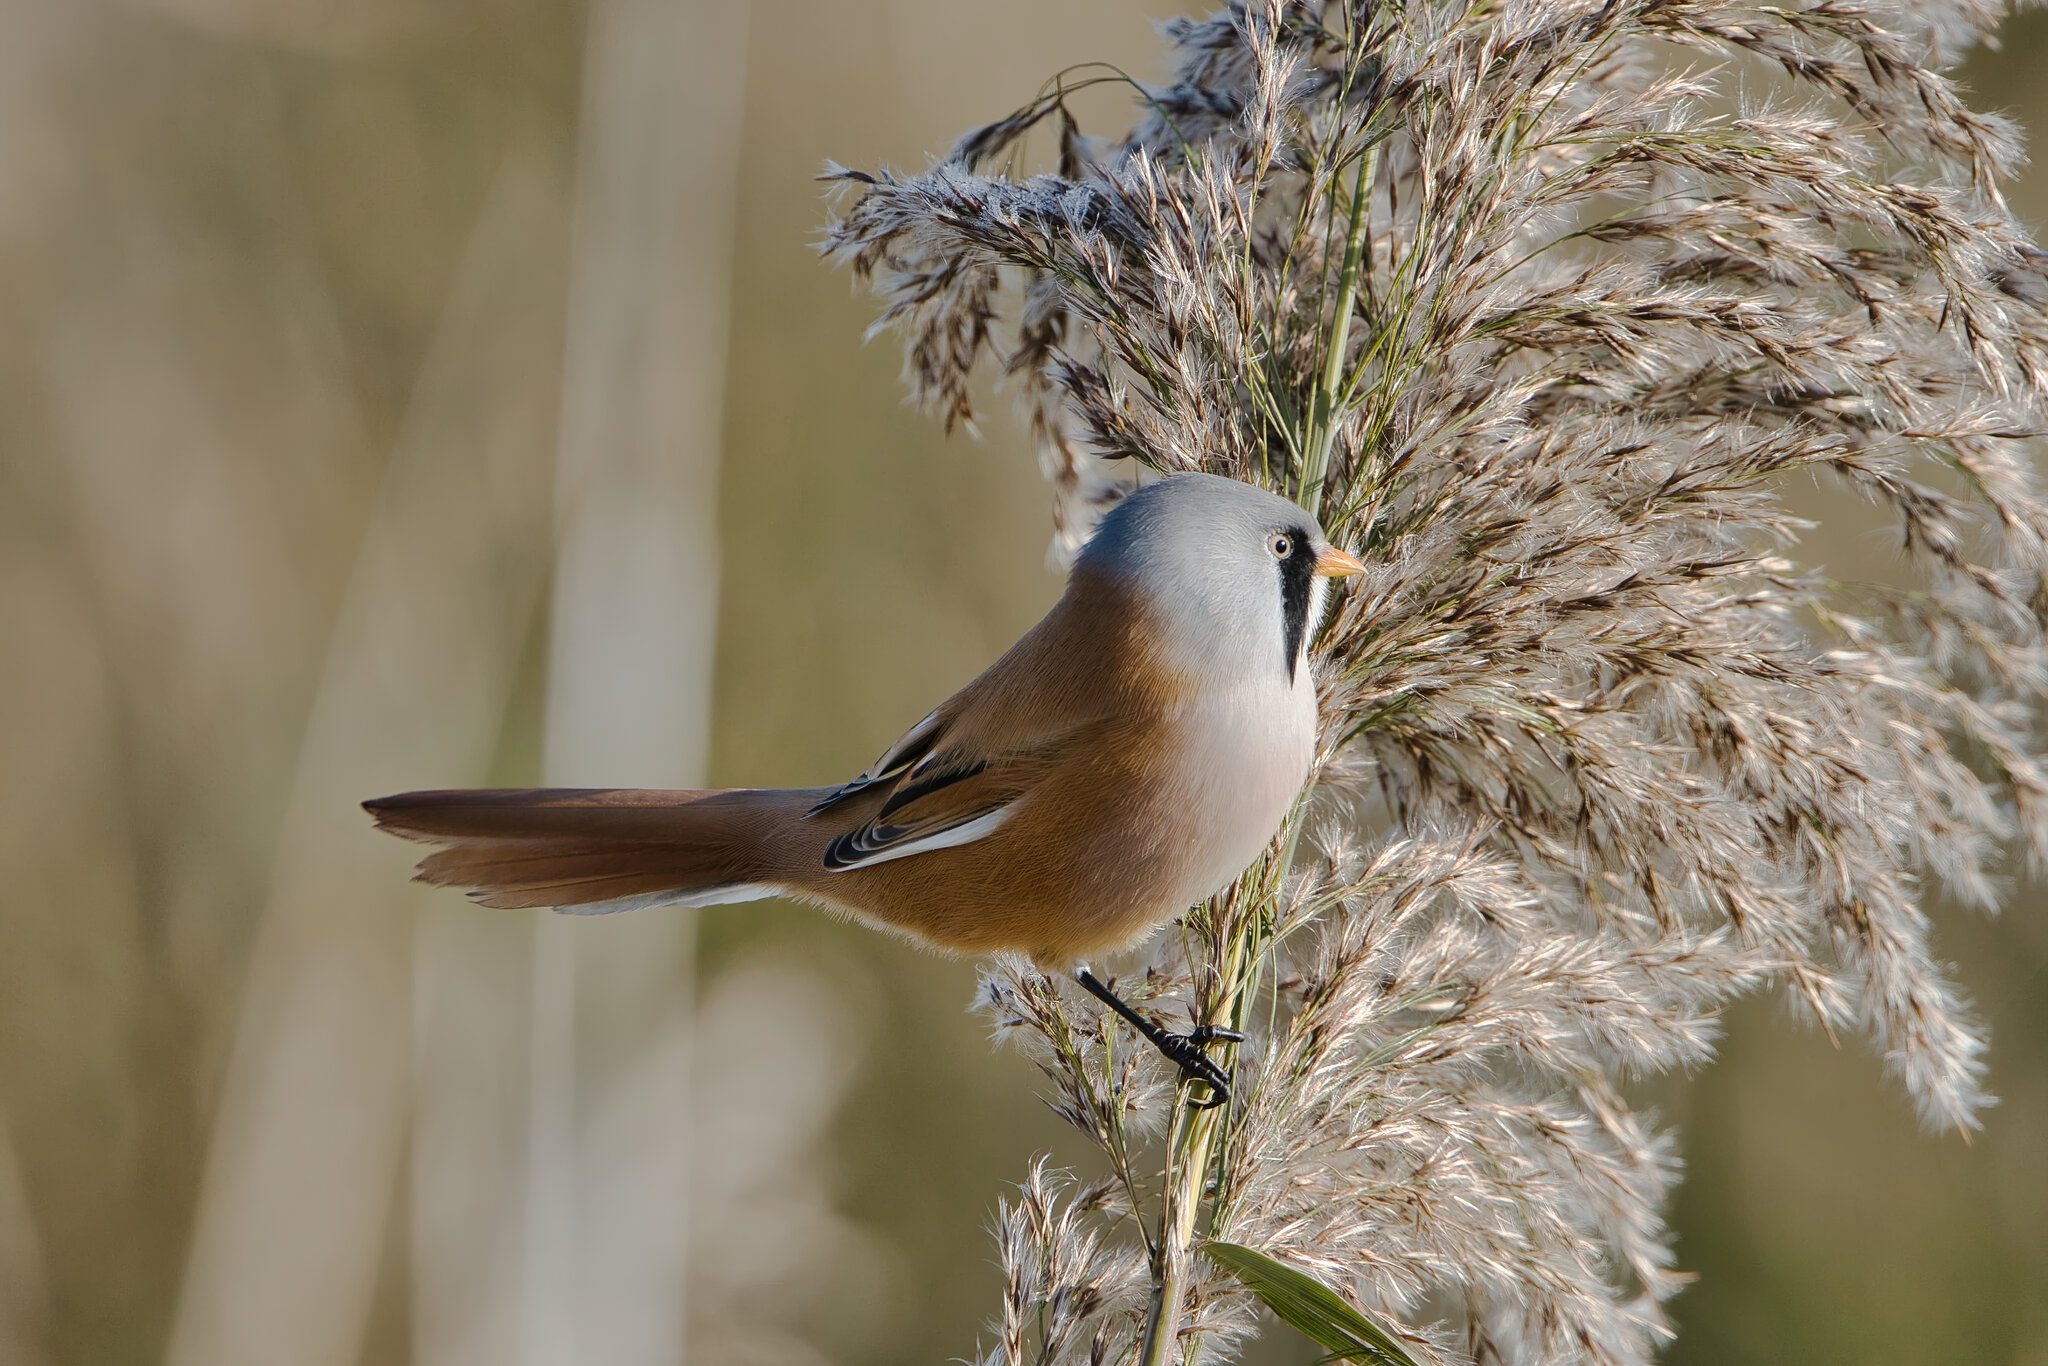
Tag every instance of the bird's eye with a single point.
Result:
(1282, 545)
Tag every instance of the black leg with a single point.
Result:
(1184, 1051)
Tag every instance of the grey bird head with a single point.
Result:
(1235, 573)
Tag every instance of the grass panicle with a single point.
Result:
(1569, 318)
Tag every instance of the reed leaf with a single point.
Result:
(1317, 1312)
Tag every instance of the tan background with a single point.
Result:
(323, 327)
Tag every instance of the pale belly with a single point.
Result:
(1246, 760)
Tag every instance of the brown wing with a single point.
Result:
(950, 801)
(955, 776)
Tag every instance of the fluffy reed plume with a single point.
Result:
(1550, 309)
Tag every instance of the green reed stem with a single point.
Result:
(1191, 1147)
(1322, 430)
(1195, 1137)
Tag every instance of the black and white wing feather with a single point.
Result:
(939, 795)
(941, 808)
(914, 744)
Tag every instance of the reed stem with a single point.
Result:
(1191, 1150)
(1322, 423)
(1195, 1134)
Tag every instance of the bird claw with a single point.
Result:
(1185, 1052)
(1213, 1034)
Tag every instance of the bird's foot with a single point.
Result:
(1189, 1053)
(1186, 1051)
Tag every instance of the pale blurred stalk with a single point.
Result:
(307, 1144)
(629, 670)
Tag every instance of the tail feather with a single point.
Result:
(602, 849)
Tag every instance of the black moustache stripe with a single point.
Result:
(1297, 578)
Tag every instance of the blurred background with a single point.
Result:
(403, 393)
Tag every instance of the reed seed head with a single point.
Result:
(1570, 318)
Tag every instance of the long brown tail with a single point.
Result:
(592, 850)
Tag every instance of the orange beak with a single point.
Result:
(1337, 564)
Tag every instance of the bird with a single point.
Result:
(1132, 754)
